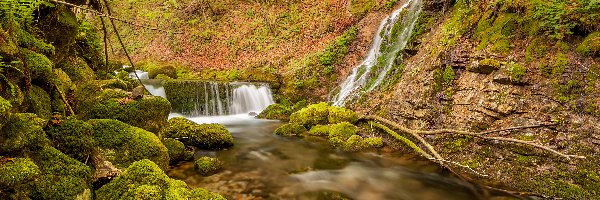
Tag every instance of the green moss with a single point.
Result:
(207, 165)
(62, 176)
(206, 136)
(360, 7)
(319, 130)
(166, 70)
(516, 71)
(39, 102)
(311, 115)
(485, 66)
(77, 69)
(536, 49)
(590, 45)
(62, 81)
(17, 171)
(162, 76)
(341, 132)
(337, 115)
(123, 144)
(276, 112)
(375, 142)
(496, 30)
(72, 137)
(291, 129)
(145, 179)
(354, 143)
(22, 131)
(40, 67)
(560, 63)
(176, 149)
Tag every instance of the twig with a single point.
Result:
(112, 22)
(113, 18)
(459, 132)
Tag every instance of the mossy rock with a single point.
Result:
(291, 129)
(168, 71)
(162, 76)
(311, 115)
(177, 151)
(123, 144)
(40, 67)
(319, 130)
(205, 136)
(337, 115)
(72, 137)
(485, 66)
(375, 142)
(354, 143)
(340, 133)
(207, 165)
(16, 172)
(77, 69)
(5, 108)
(276, 112)
(62, 176)
(22, 131)
(145, 179)
(590, 45)
(39, 102)
(62, 81)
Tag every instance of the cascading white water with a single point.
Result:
(250, 98)
(386, 45)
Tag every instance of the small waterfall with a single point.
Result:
(142, 74)
(390, 40)
(201, 98)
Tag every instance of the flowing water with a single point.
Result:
(394, 33)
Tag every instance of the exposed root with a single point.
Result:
(478, 135)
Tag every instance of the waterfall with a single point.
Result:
(201, 98)
(390, 39)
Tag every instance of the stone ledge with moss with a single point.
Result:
(205, 136)
(122, 144)
(144, 180)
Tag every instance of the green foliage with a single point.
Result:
(72, 137)
(560, 63)
(590, 45)
(206, 136)
(62, 176)
(291, 129)
(337, 50)
(361, 7)
(89, 47)
(207, 165)
(559, 18)
(17, 171)
(145, 179)
(123, 144)
(496, 30)
(536, 49)
(515, 71)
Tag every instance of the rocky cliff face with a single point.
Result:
(489, 65)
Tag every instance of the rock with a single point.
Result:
(253, 114)
(145, 180)
(17, 171)
(22, 131)
(503, 78)
(72, 137)
(205, 136)
(207, 165)
(122, 144)
(137, 93)
(340, 133)
(319, 130)
(485, 66)
(311, 115)
(177, 150)
(291, 129)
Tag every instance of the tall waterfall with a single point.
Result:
(390, 40)
(201, 98)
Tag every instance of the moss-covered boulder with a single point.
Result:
(123, 144)
(62, 177)
(95, 100)
(311, 115)
(205, 136)
(166, 70)
(207, 165)
(590, 45)
(145, 180)
(276, 112)
(319, 130)
(337, 115)
(77, 69)
(40, 67)
(62, 81)
(15, 172)
(339, 133)
(5, 108)
(177, 150)
(291, 129)
(72, 137)
(358, 143)
(39, 102)
(22, 131)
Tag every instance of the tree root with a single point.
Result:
(478, 135)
